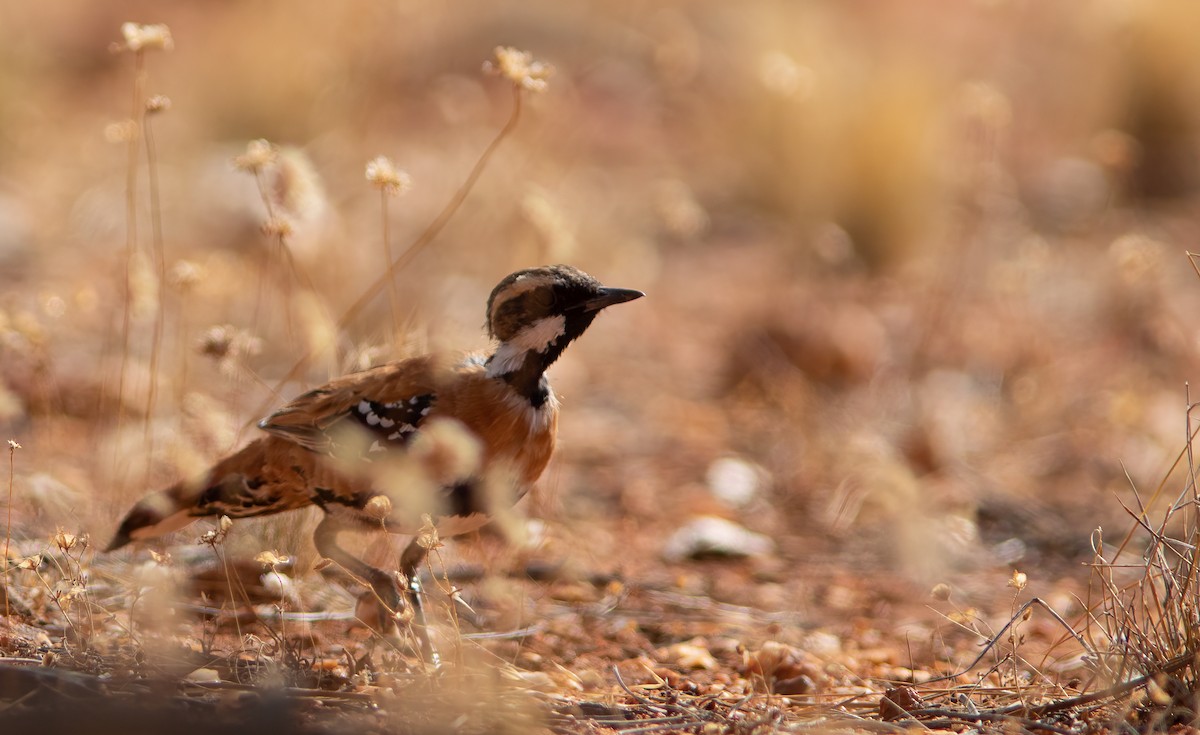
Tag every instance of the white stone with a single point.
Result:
(734, 480)
(717, 536)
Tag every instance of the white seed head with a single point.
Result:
(271, 558)
(259, 154)
(152, 37)
(519, 67)
(383, 175)
(185, 275)
(158, 103)
(121, 131)
(65, 541)
(427, 536)
(379, 507)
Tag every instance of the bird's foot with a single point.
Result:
(420, 627)
(393, 612)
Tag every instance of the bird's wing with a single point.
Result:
(379, 409)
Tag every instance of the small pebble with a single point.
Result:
(712, 536)
(734, 480)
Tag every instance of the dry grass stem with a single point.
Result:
(383, 175)
(13, 446)
(424, 239)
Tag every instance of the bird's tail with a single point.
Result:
(232, 487)
(156, 514)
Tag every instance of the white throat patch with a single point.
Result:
(537, 337)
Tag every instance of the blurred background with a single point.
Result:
(919, 298)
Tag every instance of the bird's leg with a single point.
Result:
(381, 583)
(410, 561)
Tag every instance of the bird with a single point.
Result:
(437, 438)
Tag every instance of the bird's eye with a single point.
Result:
(542, 300)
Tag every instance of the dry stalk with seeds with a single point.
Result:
(274, 176)
(391, 182)
(1140, 637)
(139, 39)
(1146, 622)
(13, 446)
(525, 76)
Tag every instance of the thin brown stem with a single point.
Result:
(424, 239)
(393, 295)
(160, 268)
(12, 450)
(264, 276)
(131, 226)
(1012, 622)
(292, 273)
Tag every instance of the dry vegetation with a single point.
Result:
(920, 325)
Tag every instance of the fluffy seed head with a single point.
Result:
(121, 131)
(151, 37)
(383, 175)
(65, 541)
(259, 154)
(185, 275)
(379, 507)
(519, 68)
(158, 103)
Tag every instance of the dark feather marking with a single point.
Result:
(391, 424)
(323, 497)
(235, 495)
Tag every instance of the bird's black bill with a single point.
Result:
(610, 296)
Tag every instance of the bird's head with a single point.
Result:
(539, 306)
(535, 313)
